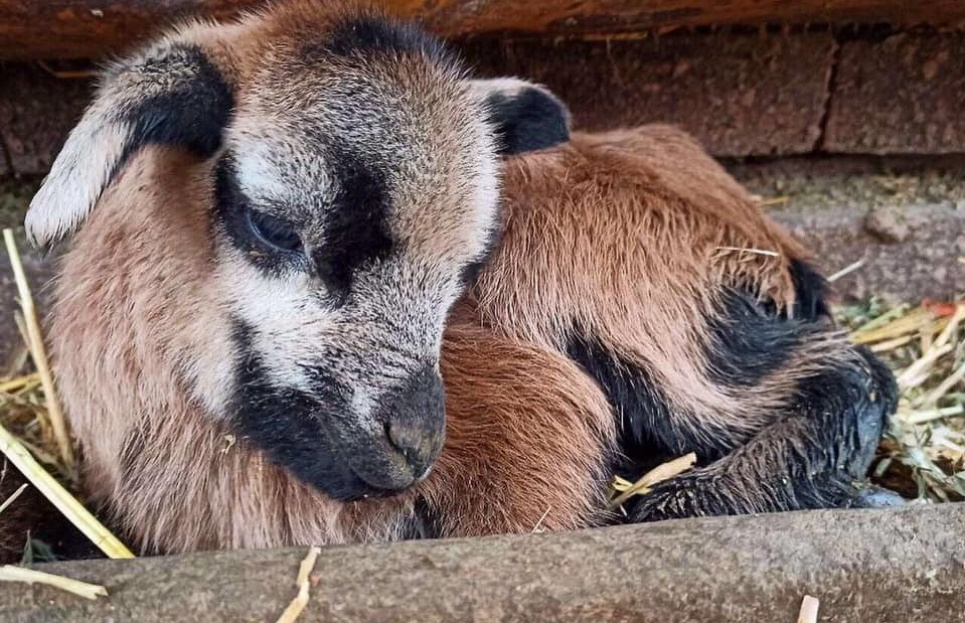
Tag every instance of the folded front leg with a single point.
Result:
(528, 441)
(816, 456)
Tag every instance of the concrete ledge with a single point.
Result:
(904, 217)
(902, 565)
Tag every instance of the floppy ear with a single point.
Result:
(172, 93)
(526, 116)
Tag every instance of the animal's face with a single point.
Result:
(346, 219)
(353, 187)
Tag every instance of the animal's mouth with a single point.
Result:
(380, 465)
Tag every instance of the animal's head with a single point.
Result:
(351, 170)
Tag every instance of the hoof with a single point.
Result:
(876, 497)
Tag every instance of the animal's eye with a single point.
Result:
(274, 232)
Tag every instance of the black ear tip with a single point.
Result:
(528, 119)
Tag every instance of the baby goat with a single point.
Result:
(292, 233)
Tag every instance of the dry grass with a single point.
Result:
(26, 456)
(23, 413)
(9, 573)
(302, 583)
(923, 454)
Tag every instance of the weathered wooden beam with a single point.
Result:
(900, 565)
(91, 28)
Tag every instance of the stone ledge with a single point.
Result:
(900, 565)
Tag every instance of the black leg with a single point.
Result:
(816, 456)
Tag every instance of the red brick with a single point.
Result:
(740, 95)
(904, 95)
(37, 111)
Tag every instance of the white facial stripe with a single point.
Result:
(485, 195)
(77, 179)
(285, 317)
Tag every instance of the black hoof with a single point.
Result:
(873, 496)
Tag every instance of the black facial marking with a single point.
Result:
(747, 342)
(238, 217)
(284, 424)
(372, 35)
(192, 113)
(528, 120)
(425, 522)
(356, 233)
(811, 289)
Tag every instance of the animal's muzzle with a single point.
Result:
(414, 417)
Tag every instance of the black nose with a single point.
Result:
(415, 418)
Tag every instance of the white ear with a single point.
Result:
(525, 116)
(79, 174)
(170, 94)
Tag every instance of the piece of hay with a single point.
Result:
(809, 610)
(10, 573)
(38, 353)
(537, 528)
(766, 252)
(13, 498)
(646, 482)
(303, 582)
(61, 498)
(847, 270)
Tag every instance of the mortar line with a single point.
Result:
(830, 87)
(5, 154)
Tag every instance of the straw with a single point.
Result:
(61, 498)
(38, 352)
(9, 573)
(658, 474)
(297, 605)
(809, 610)
(13, 498)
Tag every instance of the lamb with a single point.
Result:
(288, 230)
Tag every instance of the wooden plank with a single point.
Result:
(888, 566)
(91, 28)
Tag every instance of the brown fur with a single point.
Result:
(528, 432)
(633, 237)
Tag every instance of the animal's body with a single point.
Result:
(251, 323)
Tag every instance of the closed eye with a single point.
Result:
(274, 232)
